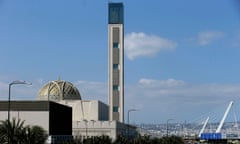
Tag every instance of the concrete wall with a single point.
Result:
(40, 118)
(98, 128)
(87, 110)
(49, 115)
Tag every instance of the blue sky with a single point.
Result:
(181, 57)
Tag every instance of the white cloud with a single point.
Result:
(3, 91)
(175, 88)
(18, 92)
(236, 40)
(205, 38)
(40, 81)
(178, 99)
(156, 99)
(161, 83)
(141, 44)
(91, 90)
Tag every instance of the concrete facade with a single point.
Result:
(87, 110)
(113, 129)
(65, 119)
(49, 115)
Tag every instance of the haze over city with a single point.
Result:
(181, 57)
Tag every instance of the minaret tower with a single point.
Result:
(116, 62)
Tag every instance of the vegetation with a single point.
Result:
(35, 135)
(16, 133)
(124, 140)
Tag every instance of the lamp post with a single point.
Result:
(167, 125)
(130, 110)
(86, 123)
(9, 100)
(93, 129)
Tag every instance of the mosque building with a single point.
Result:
(60, 109)
(89, 117)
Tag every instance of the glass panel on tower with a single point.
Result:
(115, 13)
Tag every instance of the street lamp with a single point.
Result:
(167, 125)
(86, 123)
(130, 110)
(9, 99)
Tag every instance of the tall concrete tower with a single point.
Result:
(116, 62)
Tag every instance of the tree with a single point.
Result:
(146, 139)
(35, 135)
(172, 140)
(12, 131)
(121, 140)
(16, 133)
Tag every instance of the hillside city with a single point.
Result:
(188, 130)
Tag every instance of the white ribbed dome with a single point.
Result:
(59, 90)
